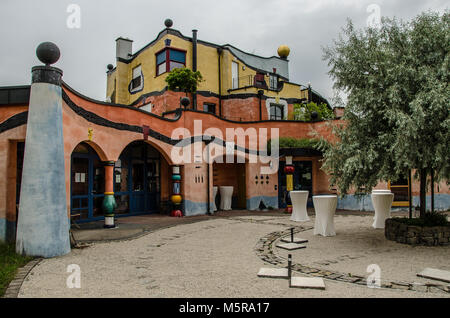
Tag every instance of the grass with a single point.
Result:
(9, 263)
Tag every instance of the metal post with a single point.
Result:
(292, 235)
(410, 195)
(289, 268)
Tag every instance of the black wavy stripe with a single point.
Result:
(96, 119)
(14, 121)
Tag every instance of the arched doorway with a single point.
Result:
(231, 174)
(87, 183)
(137, 179)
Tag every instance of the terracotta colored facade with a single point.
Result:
(128, 147)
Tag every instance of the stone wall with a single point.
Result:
(416, 235)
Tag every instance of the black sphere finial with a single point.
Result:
(314, 115)
(48, 53)
(185, 102)
(110, 67)
(168, 23)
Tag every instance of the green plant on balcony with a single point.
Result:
(303, 112)
(183, 79)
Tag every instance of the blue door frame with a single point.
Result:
(143, 201)
(89, 197)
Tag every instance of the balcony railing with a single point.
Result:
(257, 81)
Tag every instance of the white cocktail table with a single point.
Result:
(214, 198)
(325, 207)
(299, 200)
(226, 194)
(382, 204)
(381, 191)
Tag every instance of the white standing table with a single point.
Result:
(382, 202)
(214, 198)
(299, 200)
(325, 207)
(226, 194)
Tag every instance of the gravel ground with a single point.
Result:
(216, 258)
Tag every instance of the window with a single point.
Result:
(137, 82)
(400, 189)
(273, 81)
(209, 108)
(260, 81)
(168, 59)
(234, 75)
(276, 112)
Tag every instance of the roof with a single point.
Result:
(14, 95)
(257, 62)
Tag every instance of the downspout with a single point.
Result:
(260, 95)
(208, 176)
(219, 51)
(194, 65)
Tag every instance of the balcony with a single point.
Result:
(257, 81)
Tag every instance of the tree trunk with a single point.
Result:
(432, 190)
(423, 192)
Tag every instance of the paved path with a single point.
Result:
(217, 257)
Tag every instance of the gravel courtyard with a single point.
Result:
(217, 258)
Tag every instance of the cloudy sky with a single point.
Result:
(255, 26)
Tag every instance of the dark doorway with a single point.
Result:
(137, 179)
(87, 183)
(302, 180)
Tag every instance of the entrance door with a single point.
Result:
(137, 179)
(87, 183)
(302, 179)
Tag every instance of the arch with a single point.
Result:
(140, 179)
(87, 182)
(98, 150)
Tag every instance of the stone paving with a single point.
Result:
(221, 256)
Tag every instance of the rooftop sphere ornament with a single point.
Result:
(168, 23)
(185, 102)
(48, 53)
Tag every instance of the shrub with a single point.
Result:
(430, 219)
(302, 112)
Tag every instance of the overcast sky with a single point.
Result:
(255, 26)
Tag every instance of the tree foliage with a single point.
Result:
(302, 112)
(183, 79)
(397, 112)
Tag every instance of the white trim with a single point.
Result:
(280, 102)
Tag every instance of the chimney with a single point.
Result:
(123, 48)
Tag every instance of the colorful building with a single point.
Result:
(128, 148)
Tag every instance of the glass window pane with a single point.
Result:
(161, 57)
(178, 56)
(175, 65)
(122, 202)
(161, 68)
(80, 184)
(137, 71)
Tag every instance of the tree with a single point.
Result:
(183, 79)
(397, 113)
